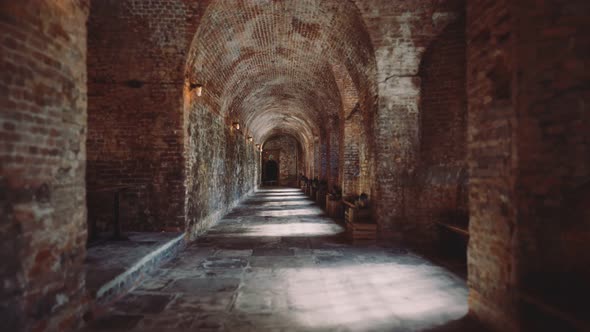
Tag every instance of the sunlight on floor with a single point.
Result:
(292, 212)
(279, 189)
(286, 203)
(279, 197)
(365, 297)
(292, 229)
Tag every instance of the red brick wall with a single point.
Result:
(400, 34)
(136, 61)
(222, 165)
(333, 137)
(553, 136)
(528, 148)
(552, 191)
(439, 180)
(317, 158)
(42, 161)
(324, 151)
(351, 130)
(146, 126)
(351, 153)
(491, 121)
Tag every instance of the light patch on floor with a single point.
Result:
(290, 212)
(292, 229)
(365, 297)
(280, 268)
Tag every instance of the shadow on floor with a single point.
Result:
(284, 269)
(465, 324)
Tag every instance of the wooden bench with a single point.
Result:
(455, 221)
(457, 229)
(556, 308)
(320, 198)
(334, 208)
(359, 226)
(453, 240)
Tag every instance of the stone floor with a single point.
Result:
(276, 263)
(115, 260)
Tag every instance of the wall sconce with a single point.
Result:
(236, 125)
(250, 138)
(197, 87)
(257, 146)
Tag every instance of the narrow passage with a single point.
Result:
(276, 263)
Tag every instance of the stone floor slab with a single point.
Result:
(278, 264)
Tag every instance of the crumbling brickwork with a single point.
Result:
(553, 143)
(528, 147)
(490, 67)
(137, 54)
(439, 180)
(222, 165)
(402, 32)
(445, 111)
(42, 162)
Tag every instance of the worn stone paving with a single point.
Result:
(107, 260)
(276, 263)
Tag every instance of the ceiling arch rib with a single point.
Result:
(289, 99)
(269, 120)
(269, 63)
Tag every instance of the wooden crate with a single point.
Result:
(334, 209)
(361, 231)
(359, 225)
(354, 214)
(313, 194)
(321, 198)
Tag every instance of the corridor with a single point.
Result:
(136, 138)
(276, 263)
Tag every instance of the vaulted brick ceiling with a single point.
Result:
(269, 63)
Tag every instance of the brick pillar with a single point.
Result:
(492, 161)
(333, 153)
(324, 156)
(42, 164)
(350, 158)
(396, 132)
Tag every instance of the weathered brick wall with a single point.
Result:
(317, 158)
(491, 121)
(400, 33)
(42, 161)
(284, 150)
(439, 179)
(323, 155)
(333, 153)
(528, 155)
(552, 192)
(553, 139)
(309, 161)
(222, 164)
(351, 153)
(136, 61)
(351, 133)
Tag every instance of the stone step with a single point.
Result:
(113, 268)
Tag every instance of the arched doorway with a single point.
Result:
(271, 173)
